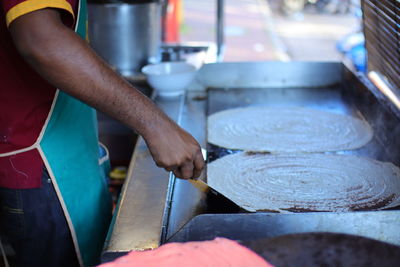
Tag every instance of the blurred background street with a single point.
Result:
(259, 30)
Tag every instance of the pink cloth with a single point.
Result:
(217, 253)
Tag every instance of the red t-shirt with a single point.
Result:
(25, 98)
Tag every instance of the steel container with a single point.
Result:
(127, 34)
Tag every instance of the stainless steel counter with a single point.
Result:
(154, 206)
(141, 218)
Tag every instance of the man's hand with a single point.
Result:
(66, 61)
(175, 150)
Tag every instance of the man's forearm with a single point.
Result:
(66, 61)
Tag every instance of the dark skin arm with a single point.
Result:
(66, 61)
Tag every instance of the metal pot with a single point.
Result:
(127, 34)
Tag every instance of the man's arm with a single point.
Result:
(67, 62)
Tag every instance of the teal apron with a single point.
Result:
(69, 148)
(70, 151)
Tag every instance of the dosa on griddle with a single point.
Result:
(305, 182)
(289, 129)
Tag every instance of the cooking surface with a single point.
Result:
(154, 206)
(351, 95)
(338, 99)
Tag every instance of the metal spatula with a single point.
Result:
(217, 198)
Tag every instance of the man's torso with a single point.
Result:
(25, 102)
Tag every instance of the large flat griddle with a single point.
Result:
(336, 98)
(156, 208)
(351, 95)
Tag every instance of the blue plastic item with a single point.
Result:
(358, 55)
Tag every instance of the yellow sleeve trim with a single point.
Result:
(33, 5)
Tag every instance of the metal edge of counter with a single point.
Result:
(138, 220)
